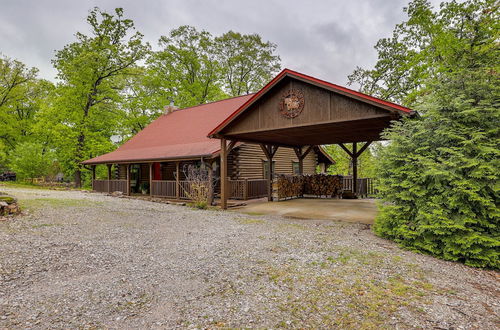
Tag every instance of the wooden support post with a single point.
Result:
(151, 179)
(223, 174)
(128, 179)
(177, 180)
(109, 177)
(270, 178)
(345, 149)
(269, 151)
(301, 156)
(355, 168)
(210, 197)
(354, 154)
(93, 176)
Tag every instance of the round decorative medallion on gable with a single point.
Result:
(292, 103)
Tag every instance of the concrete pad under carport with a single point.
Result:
(349, 210)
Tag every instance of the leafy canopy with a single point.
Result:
(85, 110)
(30, 160)
(427, 45)
(21, 97)
(194, 67)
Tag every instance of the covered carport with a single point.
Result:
(298, 111)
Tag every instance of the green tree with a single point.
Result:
(247, 62)
(186, 70)
(439, 179)
(21, 97)
(427, 45)
(30, 160)
(85, 112)
(343, 165)
(3, 156)
(439, 175)
(142, 102)
(193, 67)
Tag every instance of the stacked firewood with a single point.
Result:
(320, 185)
(288, 186)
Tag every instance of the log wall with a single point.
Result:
(246, 162)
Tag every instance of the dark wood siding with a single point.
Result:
(320, 107)
(246, 162)
(122, 172)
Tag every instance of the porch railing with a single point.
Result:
(248, 189)
(163, 188)
(239, 189)
(365, 186)
(168, 188)
(110, 185)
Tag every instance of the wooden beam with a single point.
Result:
(93, 176)
(231, 146)
(363, 148)
(346, 150)
(355, 168)
(223, 174)
(298, 152)
(265, 150)
(308, 150)
(301, 156)
(270, 179)
(177, 180)
(269, 151)
(150, 179)
(109, 177)
(273, 150)
(210, 197)
(128, 179)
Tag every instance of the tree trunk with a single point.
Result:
(79, 158)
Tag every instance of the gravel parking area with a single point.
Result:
(86, 260)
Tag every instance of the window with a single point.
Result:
(265, 168)
(296, 168)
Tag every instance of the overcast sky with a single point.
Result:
(326, 39)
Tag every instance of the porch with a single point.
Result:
(129, 178)
(168, 180)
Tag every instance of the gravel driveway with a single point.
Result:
(86, 260)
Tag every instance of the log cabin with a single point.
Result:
(246, 141)
(159, 154)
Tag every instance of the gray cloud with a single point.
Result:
(322, 38)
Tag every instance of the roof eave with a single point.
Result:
(148, 160)
(387, 105)
(325, 153)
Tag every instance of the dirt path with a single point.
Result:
(83, 260)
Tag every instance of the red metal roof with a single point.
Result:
(340, 89)
(177, 135)
(183, 134)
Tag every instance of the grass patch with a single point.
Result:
(29, 185)
(16, 184)
(13, 184)
(294, 226)
(343, 291)
(254, 213)
(249, 221)
(42, 225)
(37, 203)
